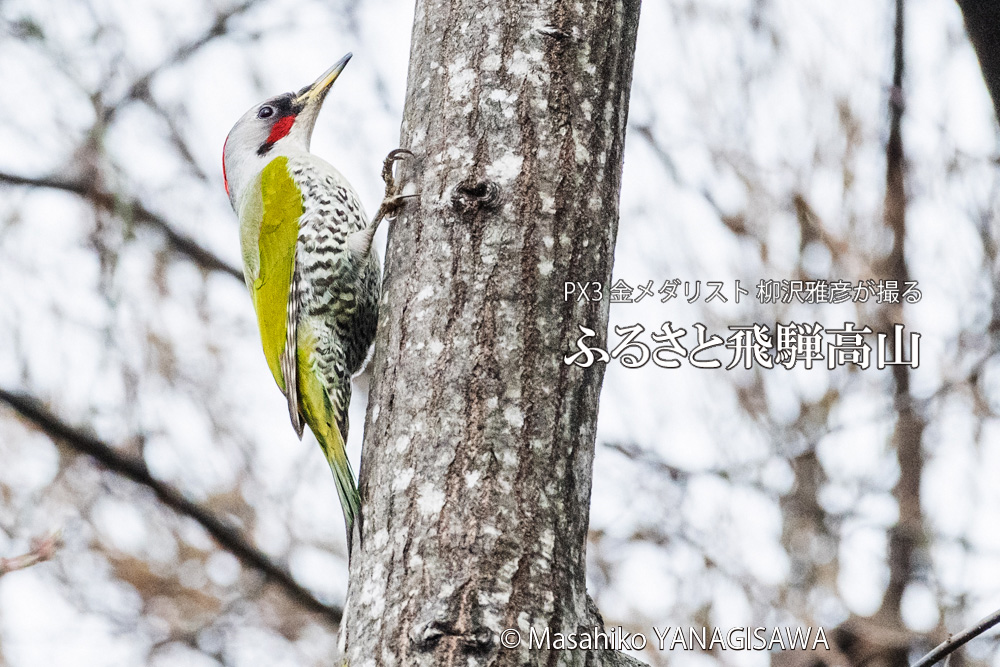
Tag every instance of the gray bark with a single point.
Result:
(479, 442)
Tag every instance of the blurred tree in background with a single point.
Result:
(768, 140)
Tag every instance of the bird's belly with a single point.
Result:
(338, 291)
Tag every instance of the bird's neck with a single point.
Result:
(244, 173)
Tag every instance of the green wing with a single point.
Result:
(269, 263)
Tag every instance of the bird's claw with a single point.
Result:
(393, 199)
(394, 156)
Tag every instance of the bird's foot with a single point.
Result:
(393, 200)
(361, 241)
(391, 159)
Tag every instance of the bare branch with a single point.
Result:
(139, 90)
(135, 469)
(41, 550)
(135, 210)
(950, 646)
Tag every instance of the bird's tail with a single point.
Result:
(323, 418)
(350, 500)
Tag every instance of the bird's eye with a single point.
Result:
(265, 112)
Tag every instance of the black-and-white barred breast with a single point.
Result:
(338, 288)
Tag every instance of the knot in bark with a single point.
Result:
(471, 195)
(554, 31)
(425, 637)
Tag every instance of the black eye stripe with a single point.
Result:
(278, 107)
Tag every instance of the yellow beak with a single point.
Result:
(314, 94)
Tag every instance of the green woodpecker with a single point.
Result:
(309, 265)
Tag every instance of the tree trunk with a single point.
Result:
(883, 638)
(479, 441)
(982, 22)
(907, 537)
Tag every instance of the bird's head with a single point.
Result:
(281, 125)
